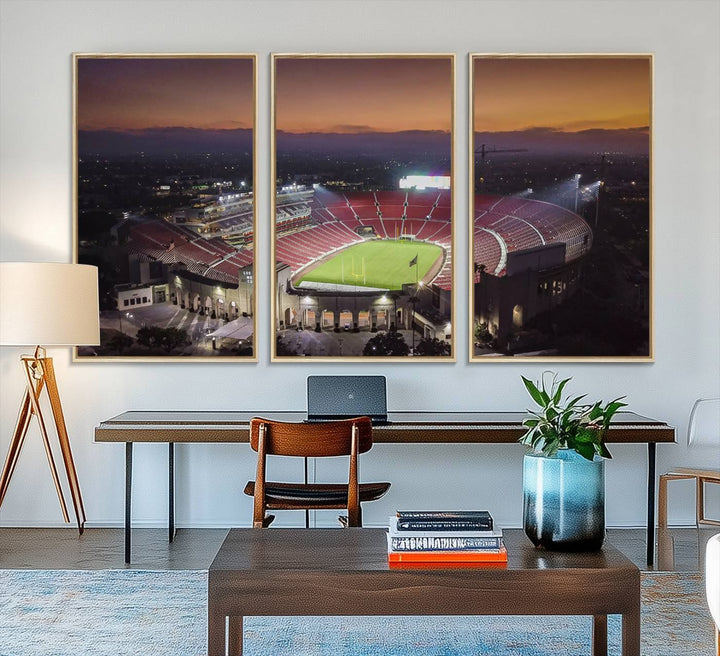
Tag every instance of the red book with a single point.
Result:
(448, 565)
(449, 557)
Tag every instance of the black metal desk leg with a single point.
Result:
(128, 497)
(307, 512)
(171, 491)
(651, 505)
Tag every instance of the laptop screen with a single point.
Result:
(340, 397)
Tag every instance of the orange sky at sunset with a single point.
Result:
(140, 93)
(356, 95)
(566, 94)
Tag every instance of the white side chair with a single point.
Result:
(712, 584)
(703, 431)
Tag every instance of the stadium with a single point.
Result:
(527, 260)
(364, 261)
(207, 257)
(361, 262)
(190, 269)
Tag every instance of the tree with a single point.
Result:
(119, 341)
(482, 334)
(392, 343)
(432, 346)
(164, 338)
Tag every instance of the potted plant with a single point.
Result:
(564, 468)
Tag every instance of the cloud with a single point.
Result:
(352, 129)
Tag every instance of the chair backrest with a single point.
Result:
(311, 440)
(704, 423)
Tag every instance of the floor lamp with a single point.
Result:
(46, 304)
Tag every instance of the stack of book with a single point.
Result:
(438, 537)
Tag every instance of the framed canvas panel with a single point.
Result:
(164, 175)
(362, 228)
(561, 207)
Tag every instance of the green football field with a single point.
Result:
(384, 264)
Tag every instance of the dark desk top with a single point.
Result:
(405, 426)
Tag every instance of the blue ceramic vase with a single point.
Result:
(564, 501)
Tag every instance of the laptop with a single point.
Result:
(330, 398)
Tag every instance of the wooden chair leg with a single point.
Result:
(699, 501)
(662, 501)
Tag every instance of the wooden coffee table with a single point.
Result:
(279, 572)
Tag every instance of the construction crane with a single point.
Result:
(485, 148)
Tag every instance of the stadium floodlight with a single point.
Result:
(577, 190)
(422, 182)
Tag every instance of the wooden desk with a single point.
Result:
(345, 572)
(207, 426)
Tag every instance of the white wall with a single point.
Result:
(36, 224)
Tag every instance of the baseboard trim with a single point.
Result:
(140, 524)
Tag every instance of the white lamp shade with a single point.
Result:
(48, 304)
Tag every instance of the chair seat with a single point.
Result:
(316, 495)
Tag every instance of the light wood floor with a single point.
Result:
(680, 549)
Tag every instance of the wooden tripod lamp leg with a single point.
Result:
(64, 440)
(16, 443)
(39, 374)
(35, 379)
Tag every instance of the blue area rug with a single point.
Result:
(130, 612)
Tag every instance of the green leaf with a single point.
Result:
(587, 451)
(586, 436)
(576, 400)
(595, 412)
(534, 392)
(551, 448)
(558, 394)
(610, 409)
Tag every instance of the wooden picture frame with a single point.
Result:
(164, 171)
(363, 215)
(561, 207)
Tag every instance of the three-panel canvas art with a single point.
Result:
(368, 234)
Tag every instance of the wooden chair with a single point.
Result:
(349, 437)
(703, 429)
